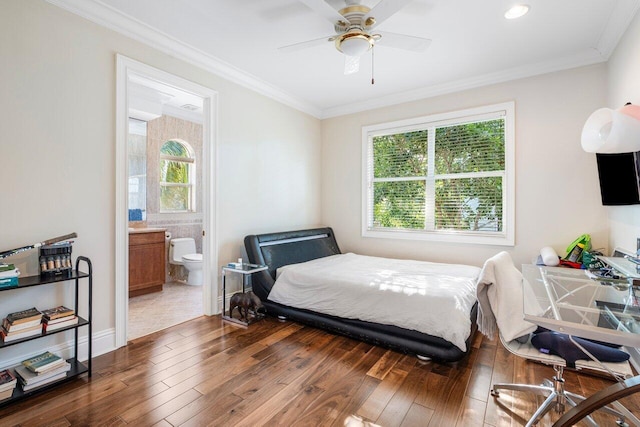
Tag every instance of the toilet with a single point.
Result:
(182, 251)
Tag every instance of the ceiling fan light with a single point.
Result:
(516, 11)
(354, 44)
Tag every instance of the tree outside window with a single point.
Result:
(177, 172)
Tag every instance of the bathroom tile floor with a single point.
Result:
(153, 312)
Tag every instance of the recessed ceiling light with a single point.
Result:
(516, 11)
(190, 107)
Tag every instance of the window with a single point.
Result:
(177, 176)
(447, 177)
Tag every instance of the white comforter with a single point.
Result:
(428, 297)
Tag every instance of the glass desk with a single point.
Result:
(571, 302)
(607, 310)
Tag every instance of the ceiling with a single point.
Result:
(472, 44)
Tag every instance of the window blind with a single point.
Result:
(439, 177)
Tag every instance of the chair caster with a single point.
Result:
(282, 318)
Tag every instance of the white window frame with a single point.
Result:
(191, 167)
(504, 238)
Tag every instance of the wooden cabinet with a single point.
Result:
(146, 261)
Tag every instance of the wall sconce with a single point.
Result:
(612, 131)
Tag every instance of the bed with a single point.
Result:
(303, 260)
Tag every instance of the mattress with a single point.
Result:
(431, 298)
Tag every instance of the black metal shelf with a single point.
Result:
(28, 281)
(77, 367)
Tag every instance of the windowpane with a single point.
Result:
(175, 149)
(399, 204)
(174, 172)
(473, 204)
(174, 198)
(400, 155)
(470, 147)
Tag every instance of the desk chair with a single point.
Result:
(556, 395)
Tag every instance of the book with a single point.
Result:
(8, 386)
(8, 282)
(50, 327)
(20, 331)
(20, 326)
(57, 312)
(59, 320)
(6, 393)
(13, 336)
(29, 387)
(10, 273)
(7, 380)
(27, 377)
(7, 267)
(24, 316)
(43, 362)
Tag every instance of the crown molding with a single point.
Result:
(106, 16)
(587, 58)
(619, 20)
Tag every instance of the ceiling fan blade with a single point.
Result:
(403, 41)
(384, 10)
(351, 64)
(304, 45)
(323, 9)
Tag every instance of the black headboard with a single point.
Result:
(289, 247)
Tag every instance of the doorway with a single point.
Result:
(165, 189)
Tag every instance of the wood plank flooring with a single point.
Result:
(204, 372)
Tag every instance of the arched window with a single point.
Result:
(177, 177)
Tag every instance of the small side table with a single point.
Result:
(245, 270)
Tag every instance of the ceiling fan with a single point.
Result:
(353, 25)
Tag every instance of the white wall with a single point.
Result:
(624, 86)
(557, 193)
(57, 119)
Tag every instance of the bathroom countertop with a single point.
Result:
(145, 230)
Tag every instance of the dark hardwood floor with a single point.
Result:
(203, 372)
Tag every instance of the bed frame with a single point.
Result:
(277, 249)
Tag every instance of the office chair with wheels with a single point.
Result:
(556, 397)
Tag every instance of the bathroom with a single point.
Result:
(164, 186)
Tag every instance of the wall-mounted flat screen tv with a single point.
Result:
(619, 178)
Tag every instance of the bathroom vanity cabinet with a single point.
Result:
(146, 260)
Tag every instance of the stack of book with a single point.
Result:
(41, 370)
(21, 324)
(8, 276)
(57, 318)
(7, 384)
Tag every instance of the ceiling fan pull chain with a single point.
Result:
(372, 49)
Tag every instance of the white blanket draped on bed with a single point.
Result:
(432, 298)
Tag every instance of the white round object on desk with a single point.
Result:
(549, 256)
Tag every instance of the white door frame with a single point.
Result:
(126, 67)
